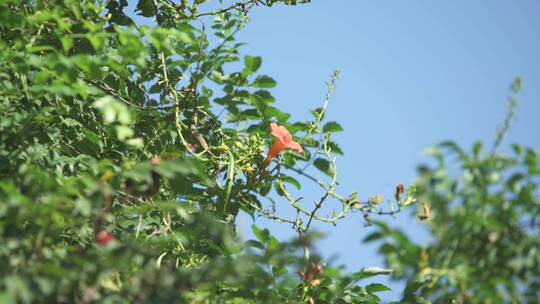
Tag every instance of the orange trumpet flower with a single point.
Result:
(283, 141)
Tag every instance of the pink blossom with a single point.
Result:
(283, 141)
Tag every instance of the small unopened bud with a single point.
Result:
(223, 147)
(400, 189)
(367, 218)
(425, 215)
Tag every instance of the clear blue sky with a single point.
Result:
(414, 73)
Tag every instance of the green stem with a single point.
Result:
(230, 182)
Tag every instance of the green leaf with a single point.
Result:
(265, 188)
(105, 104)
(262, 235)
(145, 8)
(252, 63)
(377, 287)
(255, 244)
(290, 180)
(332, 127)
(278, 272)
(279, 188)
(531, 161)
(67, 43)
(335, 148)
(124, 132)
(318, 114)
(96, 41)
(370, 272)
(324, 166)
(518, 149)
(6, 298)
(477, 148)
(280, 116)
(452, 146)
(263, 82)
(412, 286)
(377, 235)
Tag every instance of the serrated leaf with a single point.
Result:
(332, 127)
(335, 148)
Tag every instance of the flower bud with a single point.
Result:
(223, 147)
(400, 189)
(425, 215)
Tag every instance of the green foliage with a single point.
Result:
(128, 150)
(481, 211)
(483, 220)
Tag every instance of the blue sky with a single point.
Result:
(414, 73)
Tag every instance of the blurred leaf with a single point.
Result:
(370, 272)
(376, 287)
(145, 8)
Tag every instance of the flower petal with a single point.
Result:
(277, 131)
(273, 127)
(294, 146)
(280, 132)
